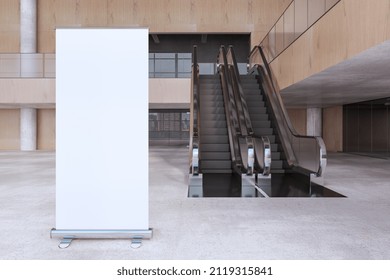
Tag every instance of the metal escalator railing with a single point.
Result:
(258, 148)
(230, 111)
(195, 110)
(304, 153)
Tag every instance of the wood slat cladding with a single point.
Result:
(27, 91)
(349, 28)
(9, 129)
(163, 16)
(298, 119)
(46, 133)
(9, 26)
(332, 128)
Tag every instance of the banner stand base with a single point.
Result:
(68, 236)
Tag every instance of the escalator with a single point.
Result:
(222, 155)
(242, 141)
(298, 161)
(262, 122)
(216, 165)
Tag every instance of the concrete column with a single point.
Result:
(28, 129)
(314, 121)
(28, 45)
(28, 26)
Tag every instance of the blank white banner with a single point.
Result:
(102, 129)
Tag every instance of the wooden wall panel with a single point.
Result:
(9, 26)
(46, 133)
(30, 91)
(298, 119)
(9, 129)
(349, 28)
(163, 16)
(169, 93)
(332, 128)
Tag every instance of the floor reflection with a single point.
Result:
(282, 185)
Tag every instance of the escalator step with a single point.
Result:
(274, 148)
(216, 164)
(276, 164)
(212, 124)
(213, 117)
(261, 124)
(275, 156)
(214, 131)
(215, 148)
(212, 98)
(214, 139)
(255, 101)
(210, 91)
(215, 155)
(256, 109)
(216, 171)
(210, 110)
(258, 117)
(262, 131)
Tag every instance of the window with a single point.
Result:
(169, 127)
(170, 65)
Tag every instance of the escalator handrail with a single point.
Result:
(263, 161)
(230, 112)
(195, 107)
(244, 107)
(292, 159)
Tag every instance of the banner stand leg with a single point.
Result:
(68, 236)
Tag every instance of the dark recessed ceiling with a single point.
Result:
(208, 44)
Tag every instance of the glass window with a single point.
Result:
(169, 126)
(164, 55)
(185, 121)
(164, 75)
(151, 65)
(184, 75)
(316, 8)
(300, 17)
(279, 36)
(184, 65)
(272, 42)
(289, 35)
(242, 68)
(184, 55)
(206, 68)
(330, 3)
(165, 65)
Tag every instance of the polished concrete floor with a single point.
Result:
(356, 227)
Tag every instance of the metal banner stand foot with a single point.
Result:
(65, 242)
(136, 236)
(136, 242)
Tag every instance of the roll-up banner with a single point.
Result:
(101, 134)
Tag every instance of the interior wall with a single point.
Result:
(27, 91)
(349, 28)
(9, 26)
(46, 131)
(9, 129)
(332, 128)
(166, 93)
(298, 119)
(163, 16)
(366, 127)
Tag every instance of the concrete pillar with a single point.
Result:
(28, 26)
(314, 122)
(28, 129)
(28, 45)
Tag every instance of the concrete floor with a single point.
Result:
(356, 227)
